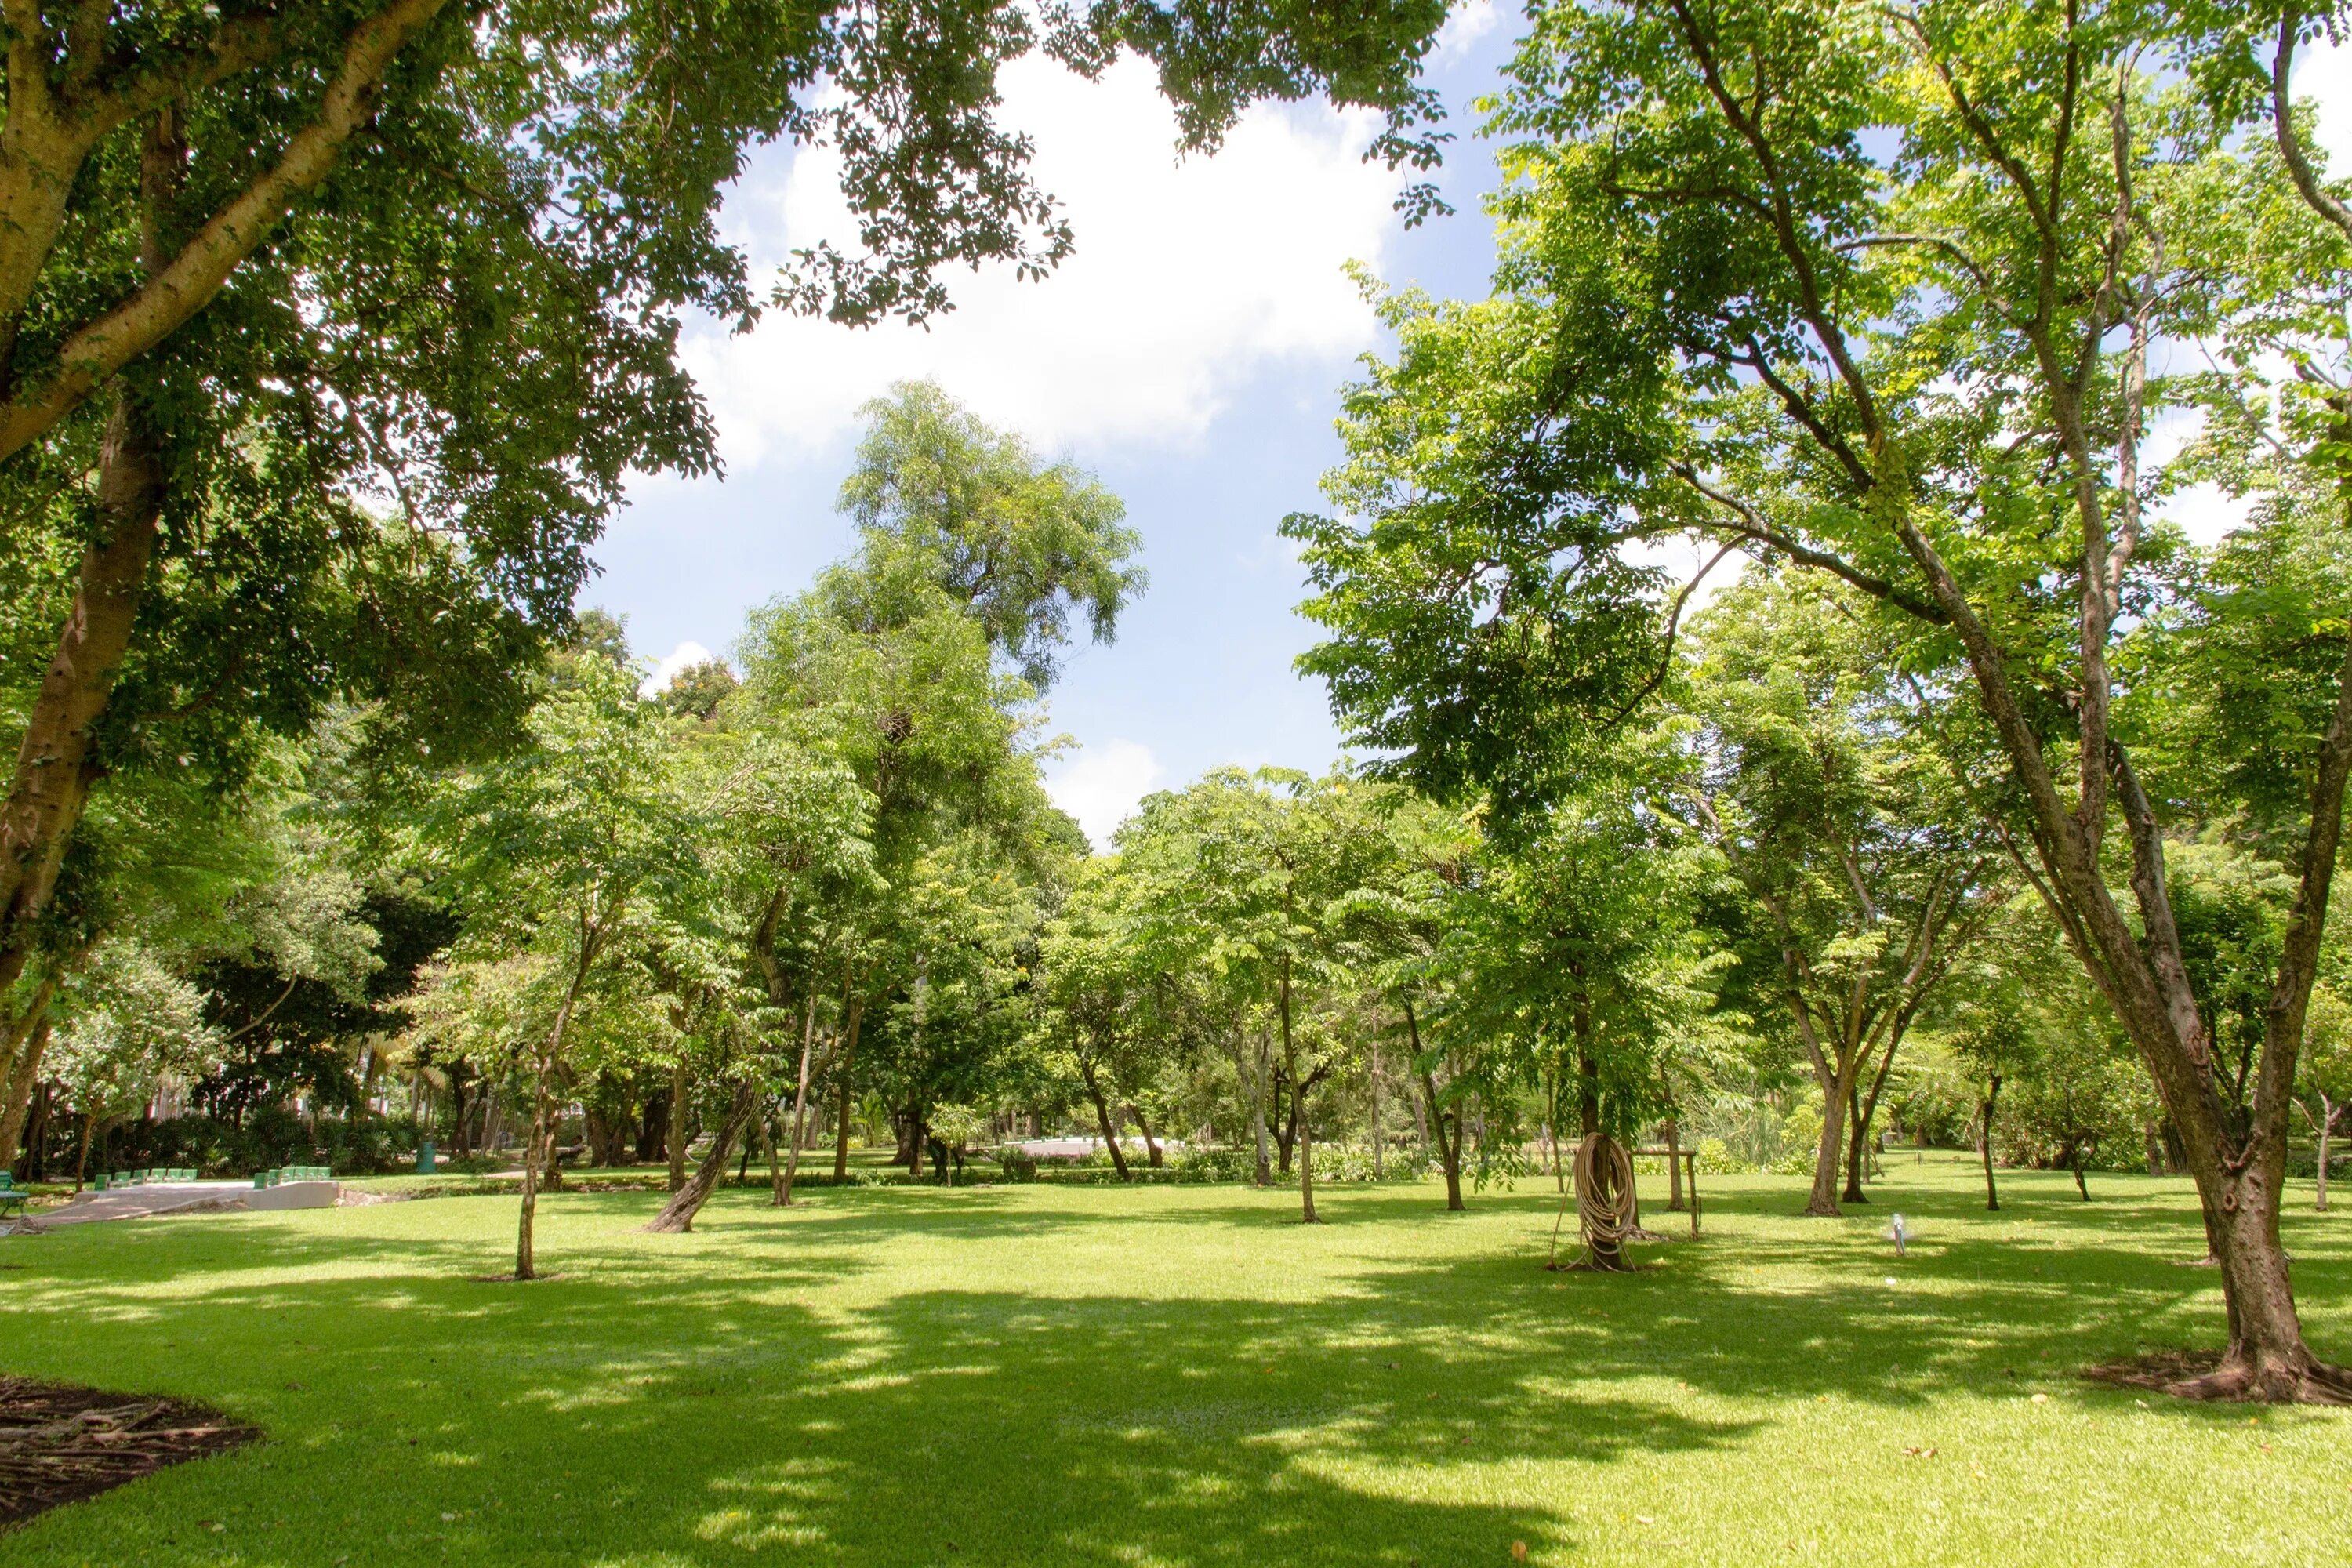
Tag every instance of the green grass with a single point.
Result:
(1182, 1375)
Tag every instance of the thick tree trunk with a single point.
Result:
(2265, 1357)
(56, 762)
(674, 1141)
(653, 1126)
(1376, 1108)
(678, 1215)
(24, 1077)
(1856, 1132)
(1823, 1201)
(1253, 1083)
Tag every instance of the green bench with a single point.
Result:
(143, 1178)
(12, 1196)
(285, 1173)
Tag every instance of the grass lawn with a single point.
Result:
(1183, 1376)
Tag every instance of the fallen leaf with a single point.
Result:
(1644, 1519)
(1518, 1552)
(2041, 1399)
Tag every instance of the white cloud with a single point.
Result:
(1101, 787)
(685, 656)
(1188, 276)
(2324, 72)
(1470, 22)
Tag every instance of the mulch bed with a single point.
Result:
(60, 1444)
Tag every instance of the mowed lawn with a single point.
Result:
(1037, 1374)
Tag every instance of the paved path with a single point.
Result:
(188, 1197)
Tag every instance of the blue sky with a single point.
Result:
(1191, 353)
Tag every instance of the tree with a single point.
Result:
(2326, 1085)
(328, 332)
(553, 849)
(1841, 828)
(1888, 300)
(1021, 546)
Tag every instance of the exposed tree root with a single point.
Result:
(2211, 1374)
(60, 1444)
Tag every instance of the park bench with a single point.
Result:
(285, 1173)
(13, 1197)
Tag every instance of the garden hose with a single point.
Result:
(1605, 1211)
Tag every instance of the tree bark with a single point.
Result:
(856, 1015)
(58, 764)
(1984, 1141)
(1150, 1143)
(2326, 1128)
(1856, 1132)
(1674, 1166)
(1302, 1129)
(673, 1139)
(1449, 1149)
(1103, 1119)
(678, 1215)
(784, 1197)
(1376, 1107)
(526, 1262)
(24, 1077)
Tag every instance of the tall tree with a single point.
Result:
(1888, 283)
(554, 847)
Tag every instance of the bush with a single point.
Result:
(268, 1137)
(1017, 1165)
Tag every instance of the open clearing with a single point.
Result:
(1181, 1375)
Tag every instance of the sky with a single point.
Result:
(1191, 353)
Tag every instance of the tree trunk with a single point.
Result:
(2081, 1185)
(678, 1215)
(1258, 1090)
(1102, 1118)
(81, 1155)
(856, 1016)
(653, 1128)
(1853, 1137)
(1376, 1108)
(24, 1077)
(776, 1198)
(1984, 1141)
(1674, 1166)
(2327, 1127)
(673, 1139)
(784, 1198)
(56, 763)
(526, 1263)
(1823, 1200)
(1449, 1149)
(1150, 1144)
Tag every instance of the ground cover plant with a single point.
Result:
(1186, 1376)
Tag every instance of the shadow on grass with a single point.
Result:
(707, 1399)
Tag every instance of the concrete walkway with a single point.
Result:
(188, 1197)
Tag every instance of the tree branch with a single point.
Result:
(170, 298)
